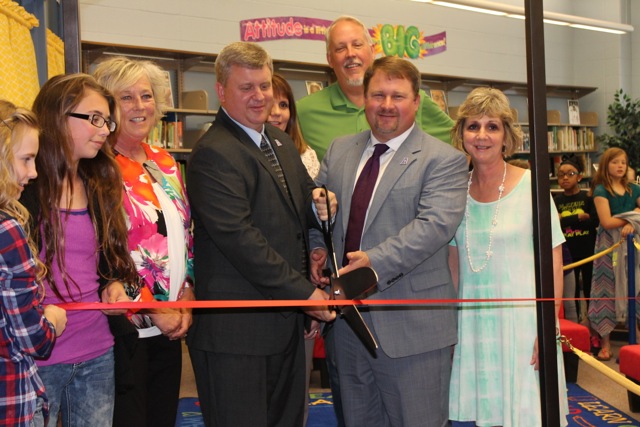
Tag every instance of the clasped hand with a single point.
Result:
(320, 202)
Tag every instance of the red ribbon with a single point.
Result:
(296, 303)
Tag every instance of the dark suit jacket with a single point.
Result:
(247, 239)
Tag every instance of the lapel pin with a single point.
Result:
(404, 161)
(278, 143)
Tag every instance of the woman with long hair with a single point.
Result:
(26, 329)
(78, 223)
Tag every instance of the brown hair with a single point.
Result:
(100, 175)
(396, 68)
(486, 101)
(602, 176)
(281, 88)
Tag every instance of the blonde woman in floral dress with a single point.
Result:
(160, 243)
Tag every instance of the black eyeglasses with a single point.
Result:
(95, 119)
(569, 174)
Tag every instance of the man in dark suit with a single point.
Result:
(252, 207)
(402, 231)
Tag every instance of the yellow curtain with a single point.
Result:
(55, 54)
(18, 71)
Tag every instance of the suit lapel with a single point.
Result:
(399, 163)
(258, 154)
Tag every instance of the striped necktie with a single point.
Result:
(273, 160)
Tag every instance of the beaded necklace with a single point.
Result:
(494, 223)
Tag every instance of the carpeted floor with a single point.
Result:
(586, 410)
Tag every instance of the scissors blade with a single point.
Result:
(354, 285)
(359, 327)
(328, 235)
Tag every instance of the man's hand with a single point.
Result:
(356, 259)
(112, 293)
(169, 321)
(317, 263)
(320, 201)
(313, 331)
(320, 312)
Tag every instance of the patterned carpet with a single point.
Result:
(586, 410)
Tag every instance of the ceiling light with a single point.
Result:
(511, 11)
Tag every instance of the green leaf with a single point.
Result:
(623, 117)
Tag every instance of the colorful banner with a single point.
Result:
(283, 27)
(390, 40)
(407, 43)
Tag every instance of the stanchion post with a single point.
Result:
(631, 284)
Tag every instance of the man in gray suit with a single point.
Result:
(403, 231)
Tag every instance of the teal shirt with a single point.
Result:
(328, 114)
(619, 203)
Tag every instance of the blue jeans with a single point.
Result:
(82, 392)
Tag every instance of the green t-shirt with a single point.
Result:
(328, 114)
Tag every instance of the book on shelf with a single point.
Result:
(567, 138)
(167, 133)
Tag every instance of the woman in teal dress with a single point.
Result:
(494, 380)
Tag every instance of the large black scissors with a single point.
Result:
(355, 284)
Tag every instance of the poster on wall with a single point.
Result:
(313, 86)
(389, 39)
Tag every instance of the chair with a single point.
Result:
(579, 337)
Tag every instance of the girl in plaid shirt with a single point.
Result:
(26, 329)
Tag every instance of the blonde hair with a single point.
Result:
(120, 73)
(241, 54)
(14, 122)
(486, 101)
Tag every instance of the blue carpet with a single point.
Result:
(586, 410)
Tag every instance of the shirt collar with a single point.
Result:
(255, 136)
(394, 143)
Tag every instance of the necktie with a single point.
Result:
(267, 150)
(273, 160)
(360, 201)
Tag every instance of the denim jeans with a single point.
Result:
(83, 392)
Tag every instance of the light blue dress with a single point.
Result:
(492, 381)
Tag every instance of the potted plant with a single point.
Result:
(623, 118)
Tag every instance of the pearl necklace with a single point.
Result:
(494, 223)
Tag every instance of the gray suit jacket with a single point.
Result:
(414, 213)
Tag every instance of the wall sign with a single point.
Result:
(390, 40)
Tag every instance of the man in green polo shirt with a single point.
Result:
(338, 109)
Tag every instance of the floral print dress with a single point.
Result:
(159, 222)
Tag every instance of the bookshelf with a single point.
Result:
(193, 83)
(564, 138)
